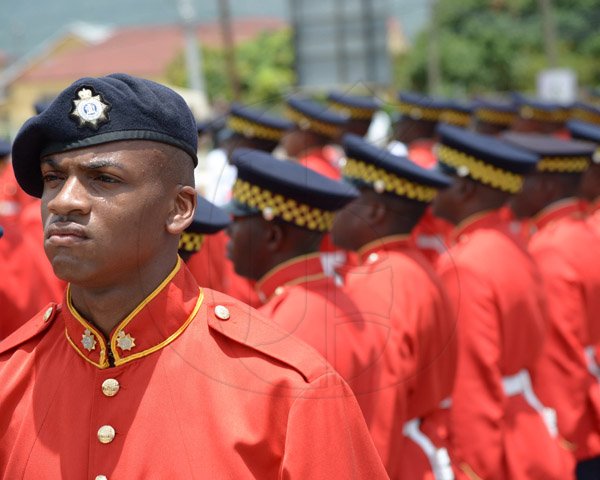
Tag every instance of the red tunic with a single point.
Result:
(27, 281)
(431, 236)
(567, 252)
(212, 269)
(301, 299)
(323, 161)
(200, 394)
(396, 284)
(496, 433)
(421, 153)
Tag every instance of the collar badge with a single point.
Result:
(88, 340)
(90, 109)
(125, 341)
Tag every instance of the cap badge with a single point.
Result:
(88, 341)
(89, 110)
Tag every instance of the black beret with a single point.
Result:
(367, 165)
(483, 158)
(286, 190)
(93, 111)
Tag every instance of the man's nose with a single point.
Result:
(72, 197)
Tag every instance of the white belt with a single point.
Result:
(438, 457)
(520, 384)
(592, 364)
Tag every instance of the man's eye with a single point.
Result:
(49, 177)
(106, 179)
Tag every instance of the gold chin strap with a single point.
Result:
(251, 129)
(275, 205)
(387, 182)
(479, 170)
(191, 242)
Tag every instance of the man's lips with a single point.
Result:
(65, 233)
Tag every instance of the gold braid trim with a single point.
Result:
(420, 113)
(287, 209)
(563, 164)
(370, 174)
(356, 113)
(495, 117)
(586, 115)
(453, 117)
(251, 129)
(308, 123)
(552, 116)
(191, 242)
(479, 170)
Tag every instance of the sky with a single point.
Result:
(29, 22)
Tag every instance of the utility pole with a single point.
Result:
(193, 54)
(433, 57)
(549, 29)
(229, 47)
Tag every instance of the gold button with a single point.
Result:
(106, 434)
(222, 312)
(110, 387)
(278, 290)
(101, 477)
(373, 257)
(48, 313)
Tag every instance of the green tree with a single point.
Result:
(265, 66)
(496, 45)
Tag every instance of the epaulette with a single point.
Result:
(37, 325)
(246, 326)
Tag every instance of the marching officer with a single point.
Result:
(496, 290)
(396, 283)
(566, 250)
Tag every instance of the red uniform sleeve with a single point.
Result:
(327, 436)
(478, 397)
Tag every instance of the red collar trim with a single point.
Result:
(568, 207)
(375, 250)
(157, 321)
(303, 269)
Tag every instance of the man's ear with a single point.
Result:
(182, 211)
(274, 236)
(466, 188)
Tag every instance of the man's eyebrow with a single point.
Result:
(91, 165)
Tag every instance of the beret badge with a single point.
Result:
(89, 109)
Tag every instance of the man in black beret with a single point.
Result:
(139, 372)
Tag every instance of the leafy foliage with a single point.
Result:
(496, 45)
(265, 68)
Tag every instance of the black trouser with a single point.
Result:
(588, 469)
